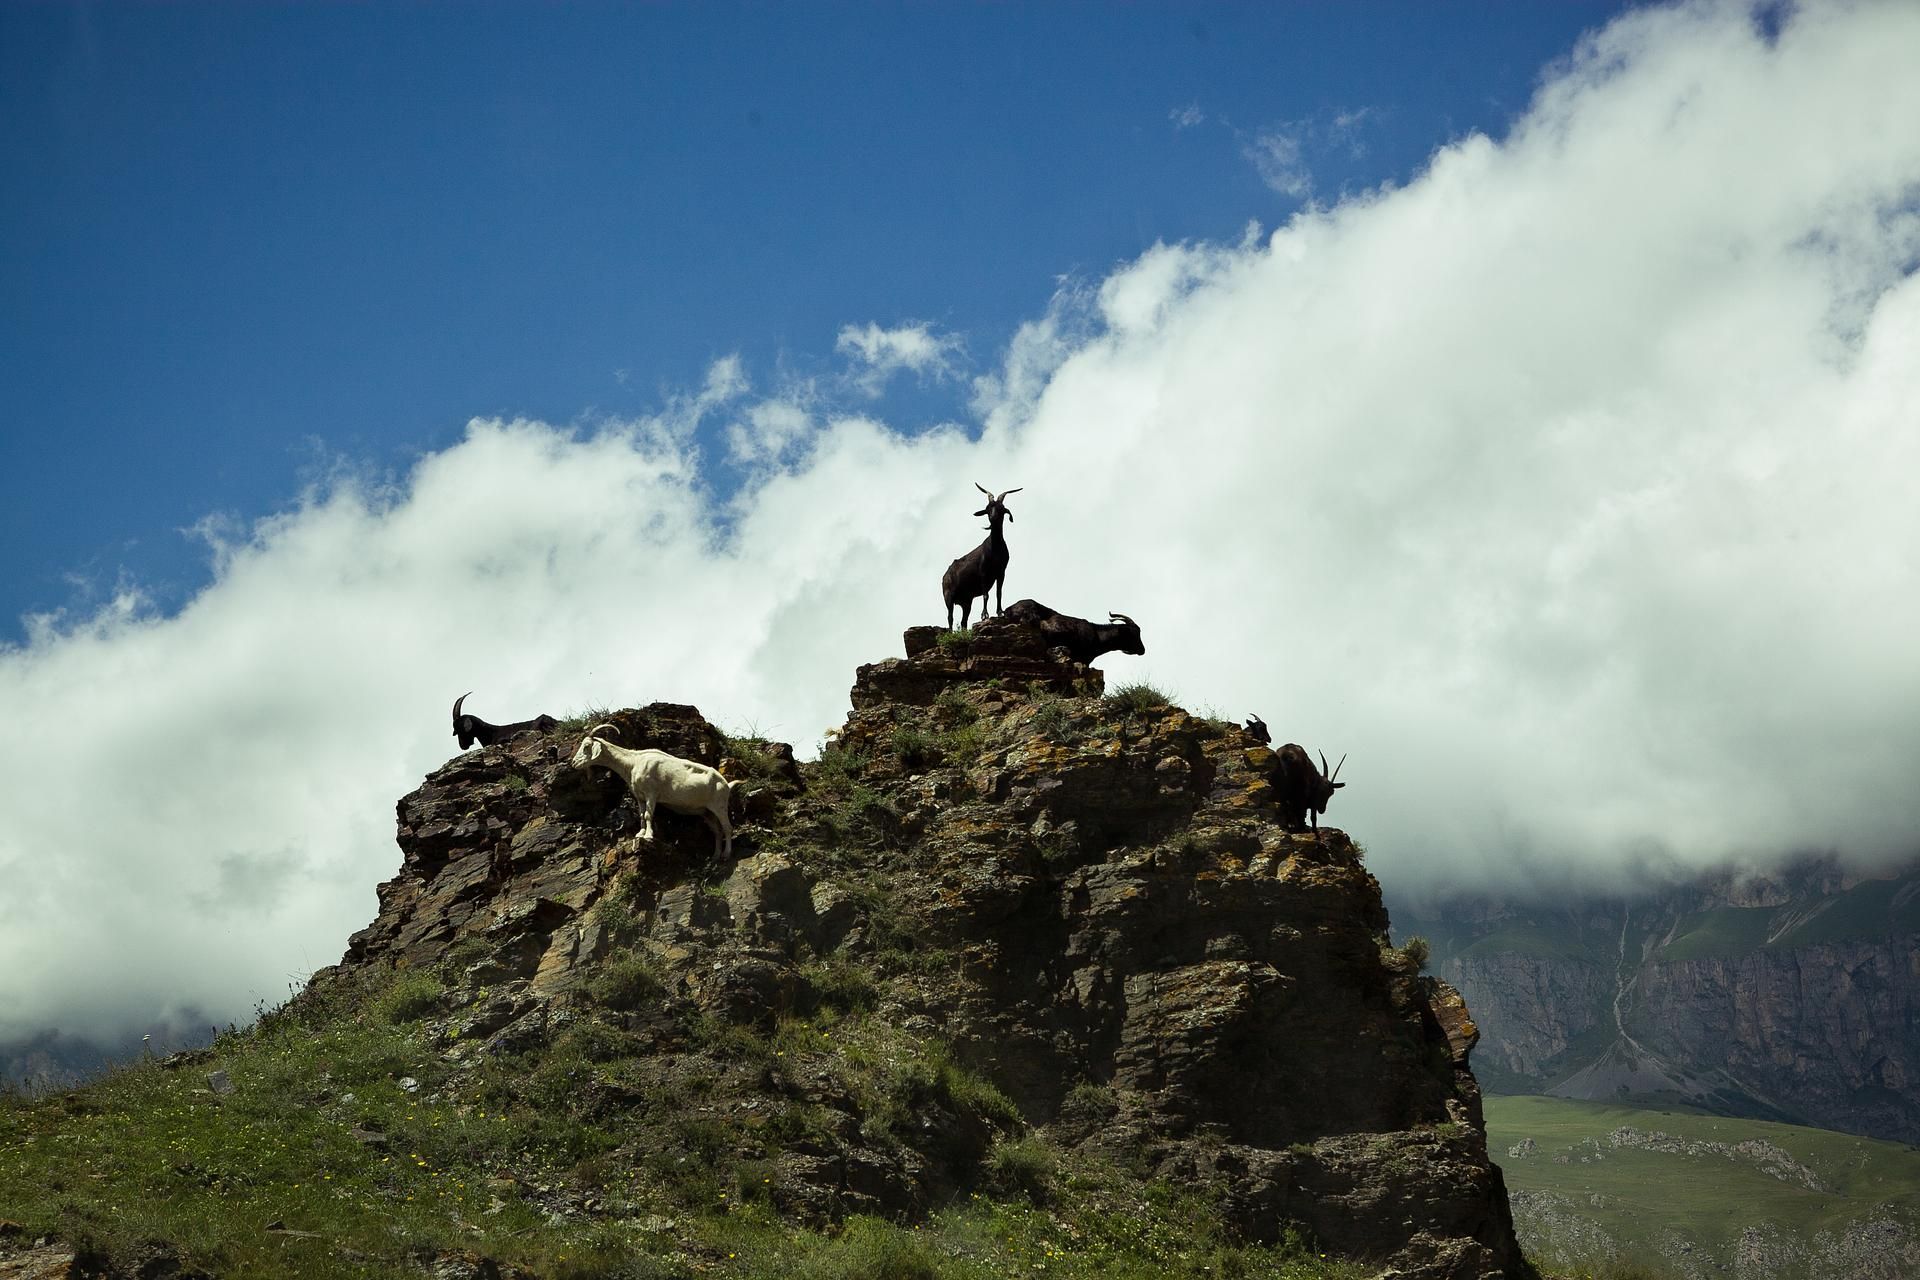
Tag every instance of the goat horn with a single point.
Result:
(457, 701)
(610, 728)
(1336, 768)
(1323, 765)
(982, 488)
(1121, 617)
(1003, 497)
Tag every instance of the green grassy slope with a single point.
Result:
(345, 1148)
(1871, 911)
(1553, 941)
(1794, 1202)
(1723, 931)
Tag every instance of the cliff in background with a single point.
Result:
(1793, 997)
(1089, 901)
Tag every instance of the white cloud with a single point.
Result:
(1278, 155)
(1346, 130)
(1283, 154)
(1186, 117)
(768, 430)
(1567, 488)
(1004, 399)
(879, 353)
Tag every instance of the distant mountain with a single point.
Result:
(51, 1060)
(1792, 997)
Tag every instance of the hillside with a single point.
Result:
(1693, 1196)
(1793, 997)
(1018, 976)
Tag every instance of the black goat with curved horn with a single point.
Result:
(983, 569)
(1084, 640)
(1304, 790)
(470, 728)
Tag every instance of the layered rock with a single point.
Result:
(1092, 901)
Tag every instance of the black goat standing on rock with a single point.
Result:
(982, 569)
(1304, 790)
(1084, 640)
(470, 728)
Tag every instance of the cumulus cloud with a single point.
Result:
(1566, 488)
(1007, 396)
(879, 353)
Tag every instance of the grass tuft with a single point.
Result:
(626, 983)
(872, 1249)
(955, 643)
(411, 997)
(1136, 696)
(914, 747)
(1023, 1166)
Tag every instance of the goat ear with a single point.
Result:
(982, 511)
(1338, 785)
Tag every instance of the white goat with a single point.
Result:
(654, 777)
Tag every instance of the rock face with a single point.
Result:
(1830, 1033)
(1794, 997)
(1090, 900)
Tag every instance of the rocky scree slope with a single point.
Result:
(1087, 901)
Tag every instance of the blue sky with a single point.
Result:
(246, 242)
(1515, 400)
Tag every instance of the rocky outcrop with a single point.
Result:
(1090, 901)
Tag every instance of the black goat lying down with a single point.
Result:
(1258, 729)
(471, 728)
(1082, 639)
